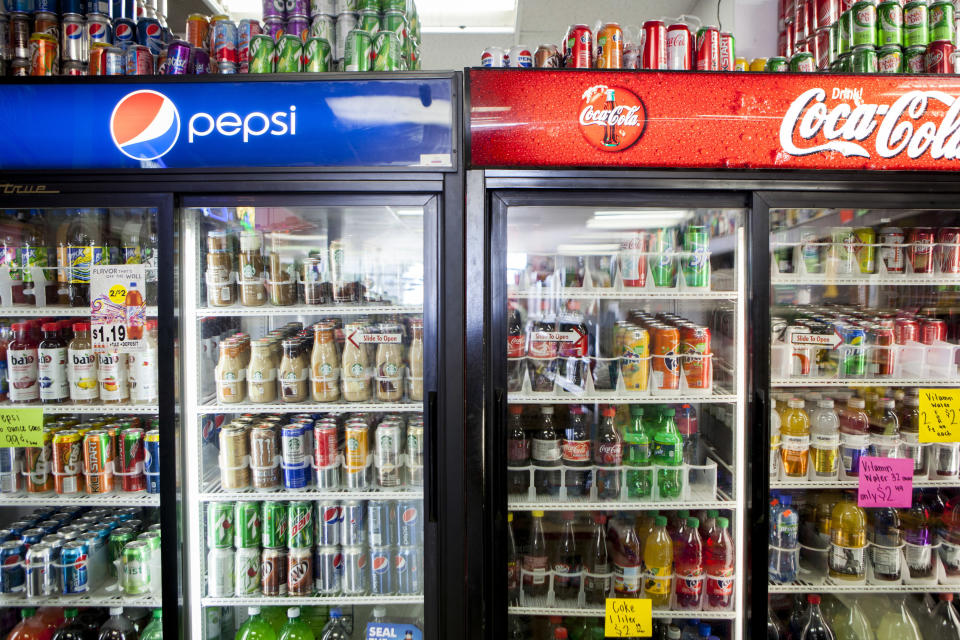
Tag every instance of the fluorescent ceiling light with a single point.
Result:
(483, 16)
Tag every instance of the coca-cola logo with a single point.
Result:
(895, 128)
(677, 38)
(612, 118)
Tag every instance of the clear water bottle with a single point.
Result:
(334, 629)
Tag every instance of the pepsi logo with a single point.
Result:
(123, 31)
(400, 562)
(338, 562)
(361, 562)
(97, 30)
(73, 31)
(331, 514)
(145, 125)
(153, 31)
(380, 564)
(409, 516)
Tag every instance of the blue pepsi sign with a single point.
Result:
(406, 122)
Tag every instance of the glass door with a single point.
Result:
(864, 515)
(622, 438)
(82, 437)
(311, 332)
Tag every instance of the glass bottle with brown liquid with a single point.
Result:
(415, 378)
(354, 367)
(294, 370)
(325, 364)
(253, 293)
(261, 373)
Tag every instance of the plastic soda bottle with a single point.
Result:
(945, 623)
(898, 624)
(513, 569)
(535, 560)
(854, 441)
(637, 454)
(256, 627)
(518, 453)
(824, 439)
(848, 541)
(774, 440)
(817, 627)
(154, 630)
(608, 453)
(74, 629)
(566, 562)
(596, 583)
(688, 566)
(851, 623)
(718, 556)
(668, 452)
(30, 627)
(627, 565)
(658, 559)
(118, 626)
(297, 629)
(795, 439)
(334, 629)
(918, 533)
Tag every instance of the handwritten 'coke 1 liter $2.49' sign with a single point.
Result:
(628, 618)
(885, 482)
(939, 415)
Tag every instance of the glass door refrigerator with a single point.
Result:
(88, 462)
(617, 403)
(864, 472)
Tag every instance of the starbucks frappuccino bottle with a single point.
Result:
(325, 365)
(253, 292)
(294, 371)
(221, 288)
(261, 373)
(389, 385)
(229, 373)
(415, 377)
(354, 365)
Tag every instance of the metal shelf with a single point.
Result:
(100, 598)
(862, 382)
(617, 505)
(613, 398)
(566, 293)
(311, 309)
(599, 613)
(309, 407)
(115, 499)
(290, 601)
(821, 279)
(213, 492)
(803, 483)
(56, 311)
(84, 408)
(833, 587)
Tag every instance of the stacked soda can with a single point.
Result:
(329, 35)
(92, 456)
(80, 37)
(325, 547)
(213, 44)
(867, 36)
(656, 44)
(76, 550)
(357, 451)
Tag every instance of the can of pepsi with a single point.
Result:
(177, 61)
(406, 564)
(352, 531)
(124, 30)
(97, 6)
(74, 577)
(200, 64)
(328, 570)
(98, 29)
(381, 523)
(49, 526)
(19, 527)
(12, 555)
(125, 8)
(381, 571)
(114, 62)
(408, 522)
(9, 456)
(151, 442)
(7, 534)
(150, 33)
(329, 519)
(41, 573)
(354, 570)
(72, 43)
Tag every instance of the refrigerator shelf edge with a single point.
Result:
(114, 499)
(819, 279)
(610, 398)
(310, 407)
(635, 505)
(599, 613)
(861, 382)
(290, 601)
(310, 310)
(596, 294)
(102, 598)
(84, 408)
(860, 588)
(308, 494)
(56, 312)
(802, 483)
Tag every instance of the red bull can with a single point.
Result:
(381, 571)
(381, 523)
(406, 567)
(354, 570)
(328, 570)
(124, 30)
(352, 531)
(98, 29)
(329, 520)
(408, 522)
(225, 38)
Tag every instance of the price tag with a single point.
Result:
(118, 314)
(393, 631)
(628, 618)
(939, 415)
(21, 427)
(885, 482)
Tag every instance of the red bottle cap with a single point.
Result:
(946, 597)
(559, 634)
(50, 327)
(609, 412)
(515, 409)
(151, 325)
(813, 599)
(18, 326)
(81, 326)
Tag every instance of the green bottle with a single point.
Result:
(276, 616)
(637, 454)
(668, 452)
(257, 627)
(295, 629)
(154, 630)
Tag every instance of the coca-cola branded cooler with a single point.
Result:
(306, 228)
(665, 255)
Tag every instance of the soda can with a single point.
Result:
(941, 22)
(948, 249)
(97, 30)
(381, 523)
(387, 446)
(381, 571)
(177, 63)
(138, 61)
(72, 43)
(262, 49)
(74, 574)
(44, 55)
(358, 50)
(325, 447)
(352, 531)
(225, 41)
(274, 9)
(933, 330)
(776, 64)
(298, 26)
(547, 56)
(882, 356)
(914, 59)
(247, 530)
(369, 20)
(387, 52)
(803, 62)
(273, 572)
(679, 48)
(295, 453)
(274, 523)
(198, 30)
(221, 521)
(357, 449)
(297, 8)
(151, 460)
(30, 535)
(329, 520)
(220, 567)
(408, 522)
(892, 255)
(98, 460)
(199, 61)
(890, 59)
(150, 34)
(299, 524)
(324, 26)
(406, 566)
(938, 58)
(41, 573)
(300, 571)
(579, 50)
(493, 57)
(130, 456)
(853, 358)
(274, 27)
(67, 462)
(727, 51)
(264, 457)
(246, 571)
(328, 570)
(864, 59)
(920, 249)
(696, 247)
(246, 29)
(346, 22)
(5, 536)
(889, 23)
(323, 7)
(609, 47)
(865, 249)
(12, 557)
(707, 49)
(289, 51)
(654, 52)
(46, 22)
(124, 31)
(20, 31)
(343, 6)
(355, 578)
(666, 363)
(415, 443)
(915, 24)
(827, 12)
(696, 363)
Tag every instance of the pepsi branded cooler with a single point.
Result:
(246, 211)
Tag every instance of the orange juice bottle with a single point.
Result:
(794, 439)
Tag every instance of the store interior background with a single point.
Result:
(456, 31)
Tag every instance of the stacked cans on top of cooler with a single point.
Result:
(658, 44)
(867, 36)
(211, 45)
(78, 37)
(345, 35)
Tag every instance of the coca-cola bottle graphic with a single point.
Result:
(518, 452)
(576, 454)
(608, 453)
(596, 584)
(566, 562)
(610, 138)
(515, 352)
(545, 452)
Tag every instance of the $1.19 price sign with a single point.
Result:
(885, 482)
(939, 415)
(628, 618)
(117, 309)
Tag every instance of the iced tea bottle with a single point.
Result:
(795, 439)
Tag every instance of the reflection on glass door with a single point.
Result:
(624, 430)
(863, 507)
(307, 392)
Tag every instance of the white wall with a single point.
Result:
(756, 32)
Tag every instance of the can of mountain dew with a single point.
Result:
(357, 51)
(289, 50)
(316, 55)
(261, 52)
(388, 53)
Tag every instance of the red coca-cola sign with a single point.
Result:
(573, 118)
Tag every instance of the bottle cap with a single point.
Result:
(693, 522)
(946, 597)
(253, 611)
(81, 326)
(560, 633)
(576, 409)
(609, 412)
(723, 523)
(786, 500)
(712, 513)
(69, 613)
(856, 403)
(813, 598)
(660, 521)
(704, 630)
(636, 409)
(336, 613)
(599, 518)
(18, 326)
(795, 403)
(158, 613)
(294, 612)
(670, 412)
(515, 409)
(683, 514)
(379, 612)
(50, 327)
(116, 611)
(547, 411)
(538, 514)
(826, 403)
(509, 517)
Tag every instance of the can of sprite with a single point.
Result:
(246, 525)
(357, 51)
(316, 55)
(863, 23)
(696, 261)
(853, 359)
(864, 59)
(940, 20)
(915, 28)
(663, 264)
(220, 523)
(388, 54)
(136, 568)
(289, 51)
(299, 525)
(889, 23)
(890, 59)
(369, 20)
(261, 53)
(844, 29)
(274, 523)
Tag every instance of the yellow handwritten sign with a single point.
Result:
(628, 618)
(939, 415)
(21, 427)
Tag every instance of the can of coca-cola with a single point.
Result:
(933, 330)
(938, 55)
(824, 47)
(811, 15)
(784, 50)
(708, 49)
(654, 53)
(948, 248)
(827, 13)
(906, 330)
(727, 54)
(922, 241)
(801, 24)
(580, 47)
(679, 47)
